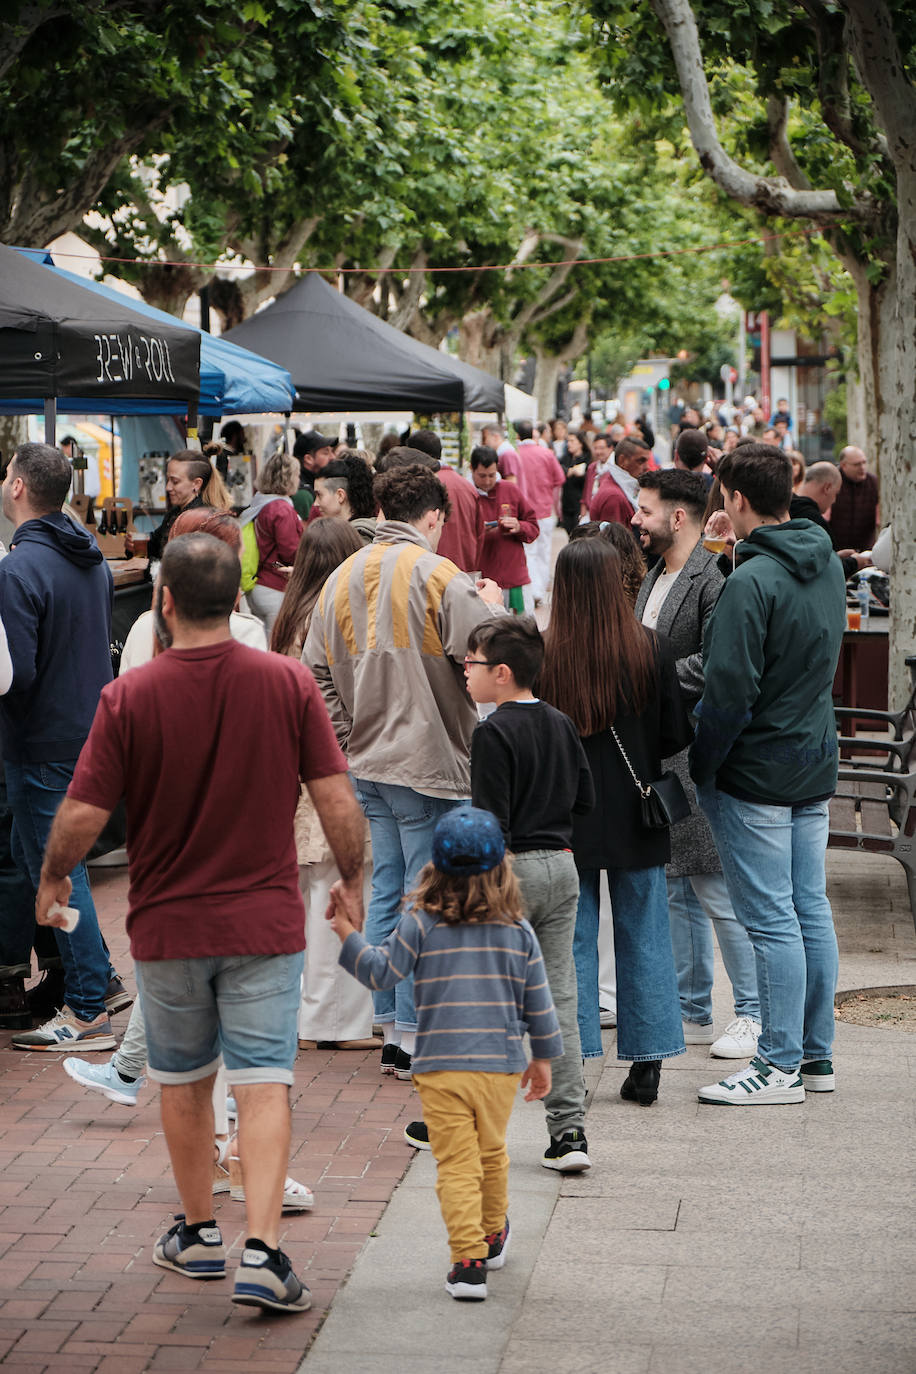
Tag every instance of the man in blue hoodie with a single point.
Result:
(55, 602)
(765, 766)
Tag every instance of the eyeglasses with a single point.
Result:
(476, 663)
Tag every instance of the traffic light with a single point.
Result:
(664, 383)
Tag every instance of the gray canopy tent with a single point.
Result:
(343, 358)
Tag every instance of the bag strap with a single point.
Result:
(644, 792)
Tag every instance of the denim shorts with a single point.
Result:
(241, 1007)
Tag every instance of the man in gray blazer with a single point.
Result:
(677, 598)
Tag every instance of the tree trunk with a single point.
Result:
(899, 502)
(546, 375)
(479, 340)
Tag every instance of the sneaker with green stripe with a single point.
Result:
(818, 1076)
(759, 1085)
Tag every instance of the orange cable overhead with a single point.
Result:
(485, 267)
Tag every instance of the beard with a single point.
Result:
(160, 629)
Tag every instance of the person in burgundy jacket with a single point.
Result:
(278, 530)
(507, 523)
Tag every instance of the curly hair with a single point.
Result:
(407, 494)
(473, 900)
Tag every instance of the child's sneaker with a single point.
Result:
(416, 1133)
(818, 1076)
(261, 1281)
(196, 1251)
(499, 1247)
(467, 1279)
(389, 1058)
(759, 1085)
(104, 1079)
(568, 1155)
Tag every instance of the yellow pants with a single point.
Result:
(467, 1115)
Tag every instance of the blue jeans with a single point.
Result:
(693, 903)
(648, 1009)
(35, 791)
(773, 858)
(241, 1006)
(401, 822)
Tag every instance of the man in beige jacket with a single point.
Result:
(387, 644)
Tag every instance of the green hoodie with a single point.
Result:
(766, 729)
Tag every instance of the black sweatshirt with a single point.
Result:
(529, 768)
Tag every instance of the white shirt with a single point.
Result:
(650, 611)
(138, 647)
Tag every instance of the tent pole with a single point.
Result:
(51, 421)
(193, 437)
(461, 440)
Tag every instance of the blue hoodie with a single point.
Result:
(55, 604)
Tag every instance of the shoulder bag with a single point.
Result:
(663, 802)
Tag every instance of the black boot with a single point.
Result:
(48, 996)
(14, 1006)
(641, 1083)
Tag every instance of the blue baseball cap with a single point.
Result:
(468, 840)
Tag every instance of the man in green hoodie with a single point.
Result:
(765, 765)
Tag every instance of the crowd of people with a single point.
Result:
(410, 862)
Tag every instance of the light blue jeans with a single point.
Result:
(648, 1008)
(401, 822)
(696, 905)
(773, 858)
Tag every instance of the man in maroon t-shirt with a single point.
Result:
(507, 524)
(207, 745)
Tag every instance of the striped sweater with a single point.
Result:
(478, 988)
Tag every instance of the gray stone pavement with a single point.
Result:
(704, 1240)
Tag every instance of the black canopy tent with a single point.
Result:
(59, 339)
(344, 358)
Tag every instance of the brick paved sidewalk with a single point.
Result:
(86, 1189)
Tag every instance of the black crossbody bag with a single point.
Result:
(664, 802)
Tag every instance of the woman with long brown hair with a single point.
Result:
(612, 676)
(335, 1010)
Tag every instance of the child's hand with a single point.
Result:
(536, 1079)
(337, 913)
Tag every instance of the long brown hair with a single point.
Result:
(323, 547)
(598, 659)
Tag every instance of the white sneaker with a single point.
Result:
(759, 1085)
(696, 1033)
(737, 1041)
(607, 1018)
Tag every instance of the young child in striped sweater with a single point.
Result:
(479, 983)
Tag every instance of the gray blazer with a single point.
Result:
(683, 618)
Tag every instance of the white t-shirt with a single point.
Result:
(650, 611)
(138, 647)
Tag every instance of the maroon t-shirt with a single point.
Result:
(502, 555)
(458, 540)
(611, 503)
(208, 747)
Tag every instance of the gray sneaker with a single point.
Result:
(66, 1032)
(197, 1253)
(260, 1282)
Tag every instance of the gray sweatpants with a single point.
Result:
(550, 893)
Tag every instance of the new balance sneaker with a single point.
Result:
(104, 1079)
(498, 1244)
(389, 1058)
(196, 1251)
(65, 1032)
(738, 1040)
(759, 1085)
(117, 998)
(402, 1065)
(263, 1281)
(467, 1279)
(417, 1135)
(818, 1076)
(698, 1033)
(569, 1154)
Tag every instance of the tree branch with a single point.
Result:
(768, 195)
(829, 30)
(781, 154)
(883, 72)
